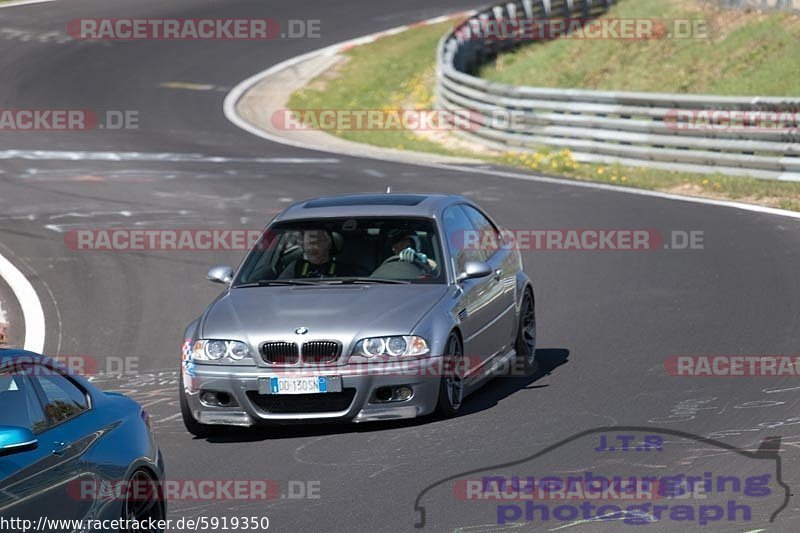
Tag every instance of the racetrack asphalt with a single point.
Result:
(607, 320)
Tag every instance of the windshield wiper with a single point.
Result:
(322, 281)
(349, 281)
(268, 282)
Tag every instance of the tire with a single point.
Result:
(193, 426)
(144, 501)
(525, 344)
(451, 388)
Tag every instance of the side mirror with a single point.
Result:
(220, 274)
(15, 439)
(473, 270)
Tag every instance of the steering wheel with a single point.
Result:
(396, 259)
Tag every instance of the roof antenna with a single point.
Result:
(389, 189)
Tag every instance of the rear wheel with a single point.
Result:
(144, 502)
(525, 344)
(451, 390)
(193, 426)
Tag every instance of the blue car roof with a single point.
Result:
(13, 353)
(9, 355)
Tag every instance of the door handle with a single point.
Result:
(498, 274)
(60, 448)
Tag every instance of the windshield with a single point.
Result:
(355, 250)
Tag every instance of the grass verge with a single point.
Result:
(736, 53)
(397, 72)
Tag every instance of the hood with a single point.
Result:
(330, 312)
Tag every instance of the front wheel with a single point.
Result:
(451, 390)
(525, 344)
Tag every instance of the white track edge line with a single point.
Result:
(24, 3)
(32, 312)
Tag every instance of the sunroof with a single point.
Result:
(382, 199)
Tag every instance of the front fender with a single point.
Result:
(436, 325)
(191, 330)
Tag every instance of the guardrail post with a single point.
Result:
(527, 5)
(500, 44)
(511, 9)
(482, 54)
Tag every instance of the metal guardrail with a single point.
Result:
(633, 128)
(764, 5)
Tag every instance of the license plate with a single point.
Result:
(304, 385)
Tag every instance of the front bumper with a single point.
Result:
(248, 408)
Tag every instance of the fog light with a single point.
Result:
(209, 398)
(383, 394)
(215, 399)
(403, 393)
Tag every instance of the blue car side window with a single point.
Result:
(64, 400)
(19, 405)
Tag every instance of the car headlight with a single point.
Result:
(216, 349)
(396, 346)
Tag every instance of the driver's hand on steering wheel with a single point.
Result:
(410, 256)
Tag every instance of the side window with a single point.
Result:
(64, 399)
(487, 232)
(459, 233)
(19, 405)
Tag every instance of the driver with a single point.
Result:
(404, 248)
(317, 260)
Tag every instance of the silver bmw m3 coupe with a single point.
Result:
(360, 308)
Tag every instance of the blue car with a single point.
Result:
(69, 451)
